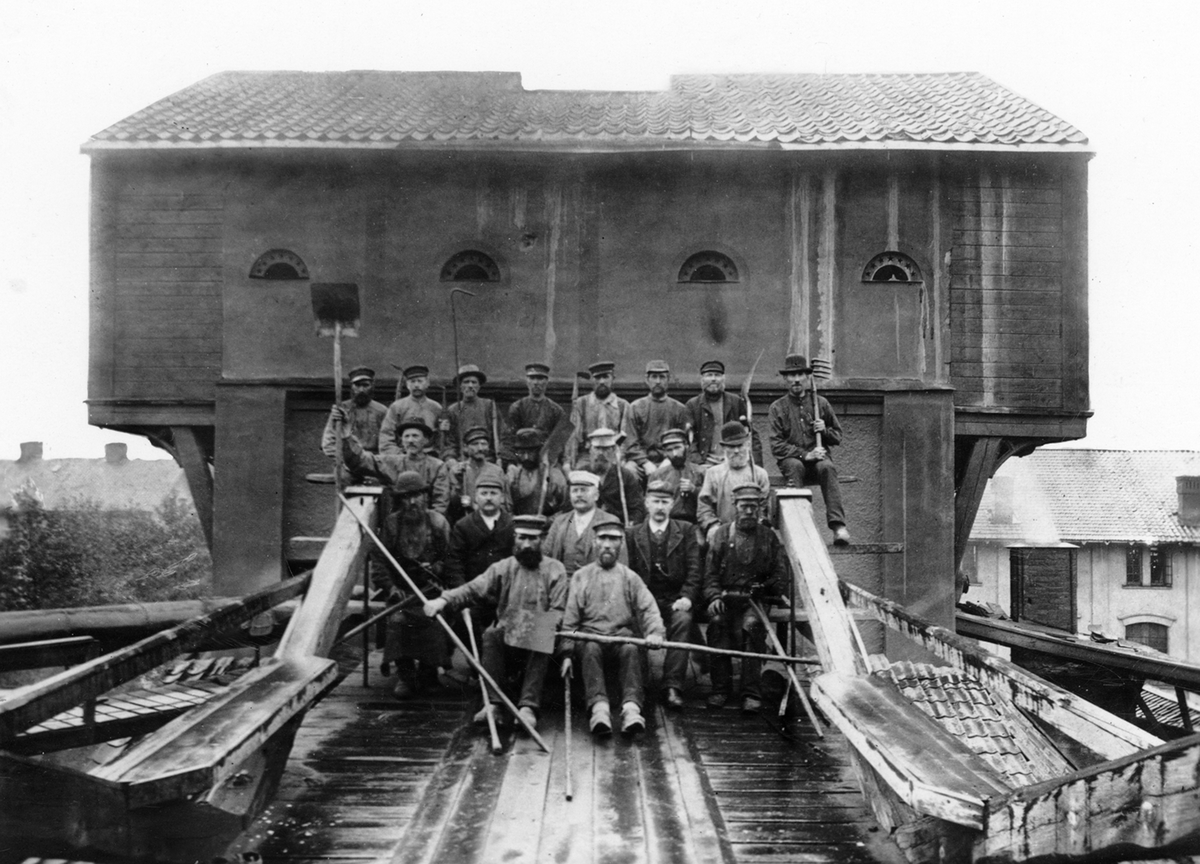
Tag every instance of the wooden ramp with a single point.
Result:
(372, 779)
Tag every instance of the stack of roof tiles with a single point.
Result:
(388, 109)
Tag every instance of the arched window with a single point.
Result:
(279, 264)
(470, 265)
(891, 267)
(708, 267)
(1148, 633)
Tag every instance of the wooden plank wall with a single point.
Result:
(1007, 289)
(167, 287)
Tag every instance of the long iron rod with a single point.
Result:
(687, 646)
(487, 703)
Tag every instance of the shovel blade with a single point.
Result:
(335, 303)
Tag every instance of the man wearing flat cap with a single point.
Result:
(530, 483)
(710, 411)
(716, 503)
(651, 416)
(570, 539)
(478, 444)
(414, 441)
(364, 415)
(419, 539)
(745, 560)
(665, 553)
(415, 406)
(794, 430)
(469, 412)
(528, 590)
(600, 409)
(608, 599)
(535, 411)
(682, 475)
(620, 486)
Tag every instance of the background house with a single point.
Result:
(1105, 540)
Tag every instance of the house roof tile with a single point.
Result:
(1071, 495)
(392, 109)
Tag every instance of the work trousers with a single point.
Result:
(499, 659)
(738, 628)
(821, 473)
(592, 658)
(679, 628)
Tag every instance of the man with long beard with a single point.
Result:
(680, 474)
(414, 441)
(571, 539)
(600, 409)
(710, 411)
(527, 477)
(364, 415)
(745, 559)
(419, 538)
(652, 415)
(608, 599)
(528, 591)
(716, 502)
(604, 460)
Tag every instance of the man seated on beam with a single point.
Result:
(608, 599)
(528, 591)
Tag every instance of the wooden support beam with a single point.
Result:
(49, 652)
(194, 462)
(88, 680)
(968, 492)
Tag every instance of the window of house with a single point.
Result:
(1160, 566)
(279, 264)
(470, 265)
(892, 267)
(1133, 564)
(1148, 633)
(708, 267)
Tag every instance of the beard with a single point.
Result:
(529, 462)
(412, 511)
(746, 523)
(362, 400)
(602, 391)
(530, 558)
(677, 462)
(607, 559)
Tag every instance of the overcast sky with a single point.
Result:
(1126, 74)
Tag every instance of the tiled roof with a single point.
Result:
(394, 109)
(134, 484)
(1090, 496)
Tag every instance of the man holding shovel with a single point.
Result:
(414, 439)
(364, 415)
(531, 482)
(529, 592)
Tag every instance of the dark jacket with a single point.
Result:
(767, 570)
(473, 548)
(704, 429)
(792, 435)
(683, 574)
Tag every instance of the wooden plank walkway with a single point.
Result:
(373, 779)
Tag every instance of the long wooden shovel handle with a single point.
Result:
(487, 703)
(567, 709)
(684, 646)
(775, 643)
(483, 673)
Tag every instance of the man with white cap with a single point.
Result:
(415, 406)
(600, 409)
(364, 415)
(570, 539)
(528, 590)
(716, 502)
(604, 460)
(608, 599)
(651, 416)
(469, 412)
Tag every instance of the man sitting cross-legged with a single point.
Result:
(608, 599)
(528, 591)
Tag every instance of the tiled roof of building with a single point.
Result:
(1117, 496)
(128, 484)
(394, 109)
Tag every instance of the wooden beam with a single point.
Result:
(49, 652)
(194, 462)
(1139, 806)
(88, 680)
(968, 492)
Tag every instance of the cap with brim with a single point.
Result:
(530, 524)
(537, 370)
(362, 373)
(529, 439)
(583, 478)
(489, 480)
(414, 424)
(712, 366)
(604, 367)
(476, 433)
(603, 437)
(409, 483)
(672, 436)
(794, 363)
(747, 493)
(733, 434)
(417, 371)
(658, 366)
(608, 529)
(470, 369)
(660, 488)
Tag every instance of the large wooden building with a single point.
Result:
(926, 233)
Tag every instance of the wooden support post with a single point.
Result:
(1185, 713)
(981, 464)
(194, 462)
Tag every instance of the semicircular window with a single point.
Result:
(470, 265)
(708, 267)
(279, 264)
(891, 267)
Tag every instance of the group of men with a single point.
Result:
(648, 523)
